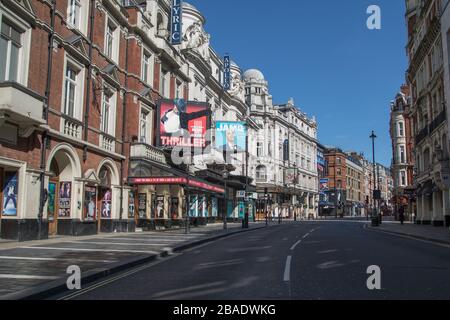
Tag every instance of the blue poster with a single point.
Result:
(193, 208)
(231, 136)
(175, 22)
(241, 210)
(214, 207)
(10, 191)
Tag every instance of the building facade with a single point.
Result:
(428, 111)
(283, 154)
(355, 186)
(402, 153)
(336, 196)
(81, 84)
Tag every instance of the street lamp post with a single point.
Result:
(187, 227)
(224, 215)
(295, 191)
(373, 137)
(265, 206)
(246, 199)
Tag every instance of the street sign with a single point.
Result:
(240, 194)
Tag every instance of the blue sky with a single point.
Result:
(322, 55)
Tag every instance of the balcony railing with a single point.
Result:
(107, 142)
(422, 135)
(142, 150)
(71, 127)
(441, 118)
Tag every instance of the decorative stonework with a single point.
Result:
(195, 38)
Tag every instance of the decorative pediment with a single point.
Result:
(23, 7)
(112, 75)
(91, 177)
(75, 46)
(26, 4)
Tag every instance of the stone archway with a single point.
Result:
(108, 194)
(64, 167)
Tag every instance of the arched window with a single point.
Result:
(261, 174)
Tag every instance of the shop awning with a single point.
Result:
(184, 181)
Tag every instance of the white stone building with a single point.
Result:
(286, 143)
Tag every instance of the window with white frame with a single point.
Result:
(402, 154)
(164, 83)
(147, 67)
(107, 119)
(179, 89)
(11, 39)
(145, 127)
(261, 174)
(73, 89)
(259, 149)
(74, 13)
(401, 129)
(112, 40)
(402, 178)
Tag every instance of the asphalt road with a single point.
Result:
(304, 260)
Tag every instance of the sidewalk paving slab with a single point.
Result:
(439, 235)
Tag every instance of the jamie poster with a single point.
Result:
(231, 136)
(10, 190)
(183, 124)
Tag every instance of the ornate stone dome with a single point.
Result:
(253, 74)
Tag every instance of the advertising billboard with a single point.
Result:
(231, 136)
(183, 124)
(290, 176)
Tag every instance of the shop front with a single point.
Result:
(16, 222)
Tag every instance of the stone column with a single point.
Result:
(427, 213)
(446, 207)
(438, 210)
(421, 209)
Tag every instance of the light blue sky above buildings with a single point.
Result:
(323, 55)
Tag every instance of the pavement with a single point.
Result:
(36, 269)
(427, 233)
(315, 260)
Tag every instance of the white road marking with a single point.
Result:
(119, 243)
(295, 245)
(88, 250)
(27, 277)
(148, 239)
(53, 259)
(306, 235)
(287, 269)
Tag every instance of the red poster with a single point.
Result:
(183, 124)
